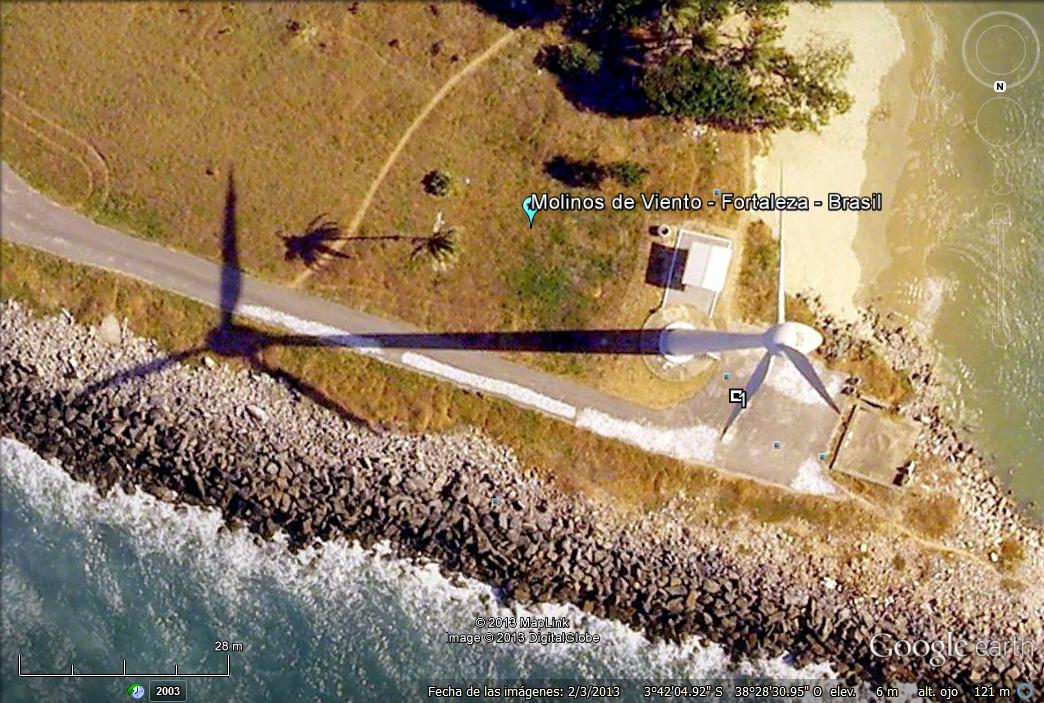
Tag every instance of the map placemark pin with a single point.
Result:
(529, 210)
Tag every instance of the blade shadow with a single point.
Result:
(231, 274)
(307, 390)
(140, 371)
(804, 366)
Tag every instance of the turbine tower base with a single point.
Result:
(677, 367)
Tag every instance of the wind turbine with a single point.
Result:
(789, 339)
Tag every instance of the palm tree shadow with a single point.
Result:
(313, 243)
(317, 241)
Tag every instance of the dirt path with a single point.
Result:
(76, 147)
(393, 156)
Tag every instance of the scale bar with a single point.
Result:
(177, 673)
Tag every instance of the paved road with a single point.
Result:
(786, 410)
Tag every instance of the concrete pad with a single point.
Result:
(786, 410)
(874, 446)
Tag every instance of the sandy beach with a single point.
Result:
(836, 159)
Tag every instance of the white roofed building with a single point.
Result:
(705, 268)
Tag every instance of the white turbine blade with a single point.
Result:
(682, 342)
(756, 379)
(805, 367)
(781, 312)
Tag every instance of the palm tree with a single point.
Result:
(686, 26)
(442, 248)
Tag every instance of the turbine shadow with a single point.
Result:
(537, 341)
(230, 339)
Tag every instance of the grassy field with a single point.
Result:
(385, 396)
(139, 120)
(758, 271)
(173, 96)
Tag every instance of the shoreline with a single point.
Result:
(840, 157)
(424, 583)
(931, 262)
(214, 437)
(889, 149)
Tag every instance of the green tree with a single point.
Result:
(716, 61)
(579, 173)
(685, 86)
(438, 183)
(574, 60)
(628, 173)
(806, 85)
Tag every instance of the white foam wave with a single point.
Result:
(343, 578)
(936, 290)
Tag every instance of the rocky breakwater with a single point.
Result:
(947, 462)
(246, 446)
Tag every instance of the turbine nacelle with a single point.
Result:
(794, 335)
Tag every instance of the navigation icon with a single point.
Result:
(738, 396)
(1024, 691)
(530, 211)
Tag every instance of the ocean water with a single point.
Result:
(91, 581)
(966, 226)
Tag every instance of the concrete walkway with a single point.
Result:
(786, 410)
